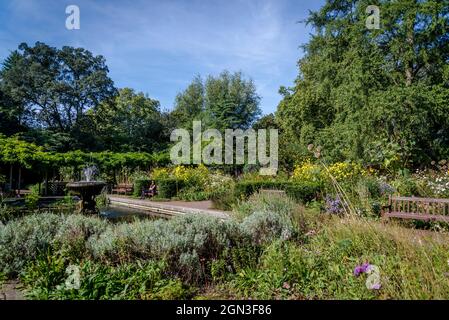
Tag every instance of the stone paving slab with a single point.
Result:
(170, 208)
(10, 290)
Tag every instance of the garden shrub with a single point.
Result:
(223, 195)
(9, 213)
(300, 191)
(244, 189)
(199, 240)
(139, 280)
(32, 200)
(264, 227)
(406, 185)
(303, 192)
(266, 202)
(372, 185)
(308, 172)
(193, 194)
(168, 188)
(187, 243)
(23, 239)
(74, 232)
(140, 184)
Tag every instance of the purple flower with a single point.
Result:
(361, 269)
(357, 271)
(334, 206)
(376, 286)
(385, 188)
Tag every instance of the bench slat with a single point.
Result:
(418, 199)
(427, 217)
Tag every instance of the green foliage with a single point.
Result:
(16, 151)
(186, 243)
(22, 240)
(139, 185)
(32, 199)
(3, 278)
(371, 95)
(42, 77)
(300, 191)
(323, 269)
(131, 122)
(405, 185)
(168, 188)
(265, 227)
(222, 102)
(8, 213)
(223, 196)
(303, 192)
(73, 233)
(141, 280)
(189, 104)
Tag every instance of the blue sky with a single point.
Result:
(157, 47)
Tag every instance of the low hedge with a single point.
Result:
(244, 189)
(139, 185)
(303, 192)
(168, 188)
(299, 191)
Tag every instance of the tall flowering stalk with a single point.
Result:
(341, 194)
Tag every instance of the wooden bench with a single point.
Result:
(427, 209)
(123, 188)
(272, 192)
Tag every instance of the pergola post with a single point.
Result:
(20, 178)
(10, 177)
(46, 182)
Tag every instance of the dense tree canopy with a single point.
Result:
(374, 95)
(58, 86)
(226, 101)
(132, 122)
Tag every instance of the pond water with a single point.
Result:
(122, 214)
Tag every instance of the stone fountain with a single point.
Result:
(87, 190)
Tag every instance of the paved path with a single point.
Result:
(10, 290)
(168, 208)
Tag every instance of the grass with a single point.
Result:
(413, 264)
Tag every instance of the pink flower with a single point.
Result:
(286, 286)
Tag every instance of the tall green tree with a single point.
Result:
(376, 96)
(231, 101)
(14, 117)
(226, 101)
(189, 104)
(131, 122)
(57, 85)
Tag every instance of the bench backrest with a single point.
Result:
(124, 185)
(418, 208)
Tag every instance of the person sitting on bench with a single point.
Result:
(150, 192)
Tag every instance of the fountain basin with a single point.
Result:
(87, 190)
